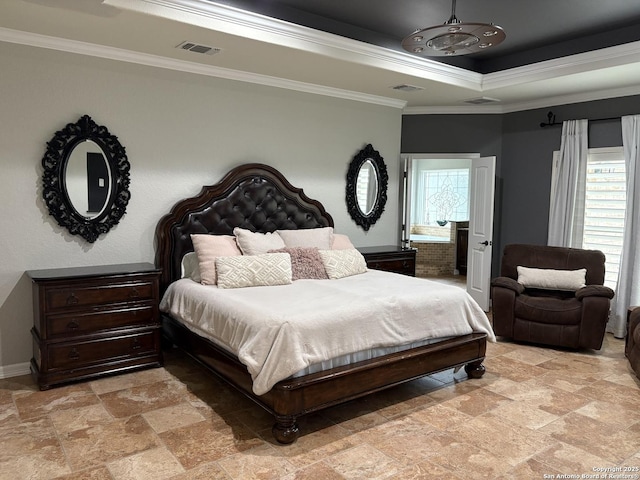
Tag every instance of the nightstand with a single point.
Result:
(93, 321)
(391, 258)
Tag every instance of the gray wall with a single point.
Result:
(180, 131)
(524, 153)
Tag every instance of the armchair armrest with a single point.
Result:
(594, 291)
(509, 283)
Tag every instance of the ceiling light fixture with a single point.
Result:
(453, 38)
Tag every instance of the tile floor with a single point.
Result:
(536, 412)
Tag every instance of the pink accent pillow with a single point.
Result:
(210, 247)
(305, 262)
(341, 242)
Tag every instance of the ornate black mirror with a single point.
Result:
(366, 187)
(86, 179)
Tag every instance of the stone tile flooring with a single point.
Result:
(537, 411)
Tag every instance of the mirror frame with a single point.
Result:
(367, 153)
(54, 191)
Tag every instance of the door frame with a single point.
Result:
(405, 196)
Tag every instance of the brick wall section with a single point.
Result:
(434, 258)
(437, 258)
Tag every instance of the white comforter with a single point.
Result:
(278, 331)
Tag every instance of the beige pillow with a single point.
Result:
(320, 238)
(266, 269)
(254, 243)
(343, 263)
(210, 247)
(341, 242)
(550, 279)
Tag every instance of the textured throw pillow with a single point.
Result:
(321, 238)
(254, 243)
(305, 263)
(341, 242)
(190, 267)
(210, 247)
(267, 269)
(550, 279)
(343, 263)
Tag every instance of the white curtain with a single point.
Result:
(566, 214)
(628, 289)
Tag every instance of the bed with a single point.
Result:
(258, 198)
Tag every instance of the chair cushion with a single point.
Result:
(544, 309)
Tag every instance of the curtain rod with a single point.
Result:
(551, 120)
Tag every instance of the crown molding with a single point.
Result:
(522, 106)
(618, 55)
(247, 24)
(118, 54)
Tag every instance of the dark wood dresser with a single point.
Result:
(391, 258)
(91, 321)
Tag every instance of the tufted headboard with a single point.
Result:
(252, 196)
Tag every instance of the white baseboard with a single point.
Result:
(14, 370)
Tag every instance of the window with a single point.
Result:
(445, 196)
(440, 195)
(605, 201)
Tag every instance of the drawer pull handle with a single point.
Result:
(134, 293)
(136, 344)
(73, 354)
(73, 325)
(72, 299)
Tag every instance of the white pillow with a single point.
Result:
(343, 263)
(320, 238)
(210, 247)
(254, 243)
(254, 270)
(190, 267)
(550, 279)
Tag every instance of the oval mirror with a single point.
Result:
(366, 187)
(85, 179)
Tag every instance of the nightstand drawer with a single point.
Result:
(88, 323)
(390, 258)
(74, 355)
(94, 321)
(65, 298)
(405, 266)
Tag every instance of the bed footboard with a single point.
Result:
(290, 399)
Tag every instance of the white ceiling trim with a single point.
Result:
(258, 27)
(521, 106)
(618, 55)
(118, 54)
(244, 23)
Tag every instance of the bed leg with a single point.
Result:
(285, 430)
(474, 369)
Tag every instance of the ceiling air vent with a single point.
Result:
(482, 100)
(197, 48)
(407, 88)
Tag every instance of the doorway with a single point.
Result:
(436, 213)
(448, 217)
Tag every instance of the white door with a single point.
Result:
(481, 199)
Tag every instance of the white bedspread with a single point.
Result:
(278, 331)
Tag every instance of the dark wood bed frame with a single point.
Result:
(259, 198)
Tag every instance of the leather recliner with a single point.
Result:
(632, 345)
(562, 318)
